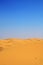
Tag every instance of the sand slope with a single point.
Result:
(21, 52)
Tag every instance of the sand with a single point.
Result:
(21, 52)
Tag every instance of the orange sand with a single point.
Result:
(21, 52)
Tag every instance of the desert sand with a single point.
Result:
(21, 52)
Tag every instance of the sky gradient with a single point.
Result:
(21, 19)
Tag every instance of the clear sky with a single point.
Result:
(21, 19)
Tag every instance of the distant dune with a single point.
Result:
(21, 51)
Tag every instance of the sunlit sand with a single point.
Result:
(21, 52)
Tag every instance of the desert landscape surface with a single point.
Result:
(21, 52)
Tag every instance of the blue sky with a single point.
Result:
(21, 19)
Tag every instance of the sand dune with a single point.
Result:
(21, 52)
